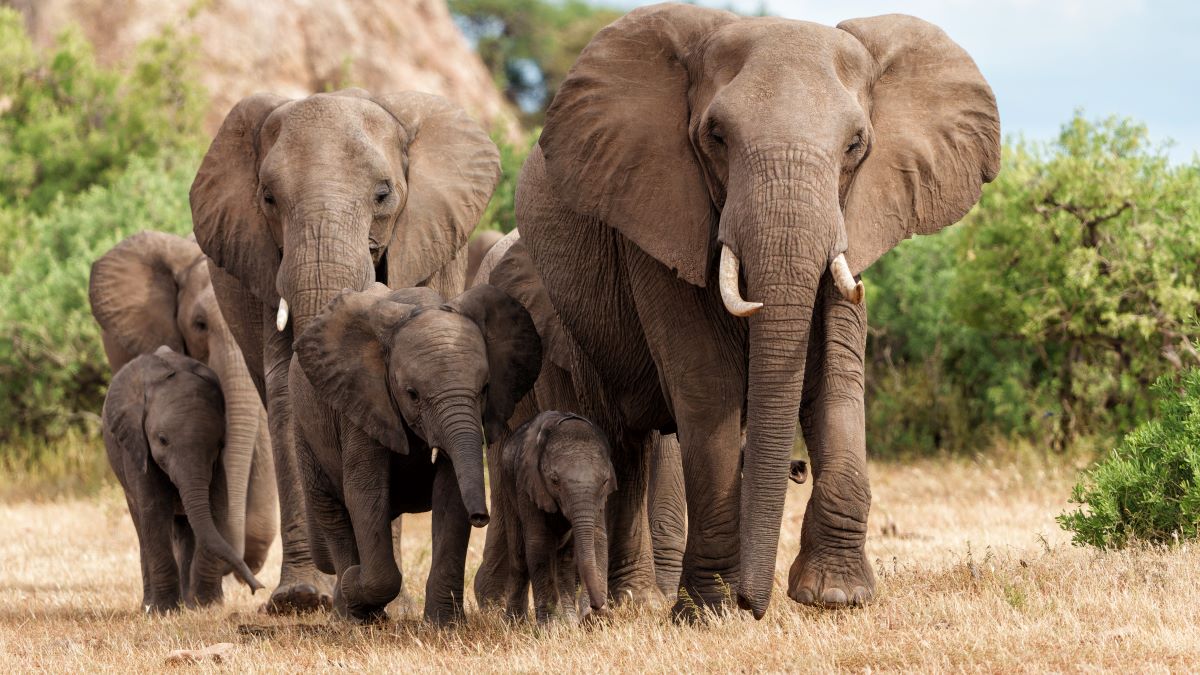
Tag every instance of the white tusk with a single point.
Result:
(730, 294)
(281, 318)
(433, 457)
(850, 289)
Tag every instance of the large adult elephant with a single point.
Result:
(298, 199)
(152, 289)
(797, 154)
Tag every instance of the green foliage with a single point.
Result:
(529, 45)
(500, 213)
(1148, 488)
(91, 154)
(67, 123)
(1050, 310)
(52, 367)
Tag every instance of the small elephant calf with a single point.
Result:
(164, 424)
(556, 473)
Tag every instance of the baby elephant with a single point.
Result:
(164, 424)
(556, 474)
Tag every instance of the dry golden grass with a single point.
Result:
(974, 574)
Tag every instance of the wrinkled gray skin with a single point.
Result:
(409, 372)
(681, 132)
(298, 199)
(153, 289)
(164, 430)
(555, 477)
(508, 267)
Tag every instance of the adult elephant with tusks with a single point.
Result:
(297, 200)
(703, 196)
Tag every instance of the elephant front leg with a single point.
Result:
(160, 573)
(302, 587)
(631, 555)
(668, 504)
(832, 567)
(365, 589)
(451, 535)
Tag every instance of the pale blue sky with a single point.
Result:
(1045, 58)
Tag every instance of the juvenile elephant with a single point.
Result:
(555, 476)
(298, 199)
(704, 191)
(415, 379)
(507, 266)
(153, 289)
(164, 433)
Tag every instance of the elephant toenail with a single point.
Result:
(804, 596)
(834, 596)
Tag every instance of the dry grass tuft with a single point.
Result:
(973, 575)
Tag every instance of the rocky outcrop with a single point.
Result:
(293, 47)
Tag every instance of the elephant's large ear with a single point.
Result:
(133, 290)
(453, 167)
(346, 361)
(226, 214)
(514, 351)
(616, 139)
(936, 137)
(529, 463)
(124, 413)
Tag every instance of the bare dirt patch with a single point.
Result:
(974, 575)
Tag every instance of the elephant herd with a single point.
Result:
(332, 350)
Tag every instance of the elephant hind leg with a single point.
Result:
(668, 513)
(831, 568)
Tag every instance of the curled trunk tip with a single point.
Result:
(731, 294)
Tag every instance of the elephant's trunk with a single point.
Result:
(199, 513)
(326, 251)
(242, 411)
(463, 443)
(783, 225)
(595, 580)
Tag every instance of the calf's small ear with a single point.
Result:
(529, 465)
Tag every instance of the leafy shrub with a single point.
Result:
(1148, 488)
(68, 123)
(500, 213)
(52, 366)
(1047, 314)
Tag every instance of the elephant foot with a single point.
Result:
(697, 602)
(640, 595)
(347, 608)
(831, 579)
(160, 607)
(444, 616)
(297, 598)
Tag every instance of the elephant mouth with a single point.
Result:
(381, 267)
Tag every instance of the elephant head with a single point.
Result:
(167, 409)
(153, 289)
(396, 362)
(790, 147)
(563, 462)
(299, 199)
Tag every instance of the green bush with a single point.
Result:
(52, 366)
(1148, 488)
(88, 155)
(1048, 313)
(500, 213)
(67, 123)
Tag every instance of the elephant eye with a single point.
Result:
(484, 392)
(268, 197)
(201, 325)
(412, 394)
(162, 439)
(382, 191)
(855, 144)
